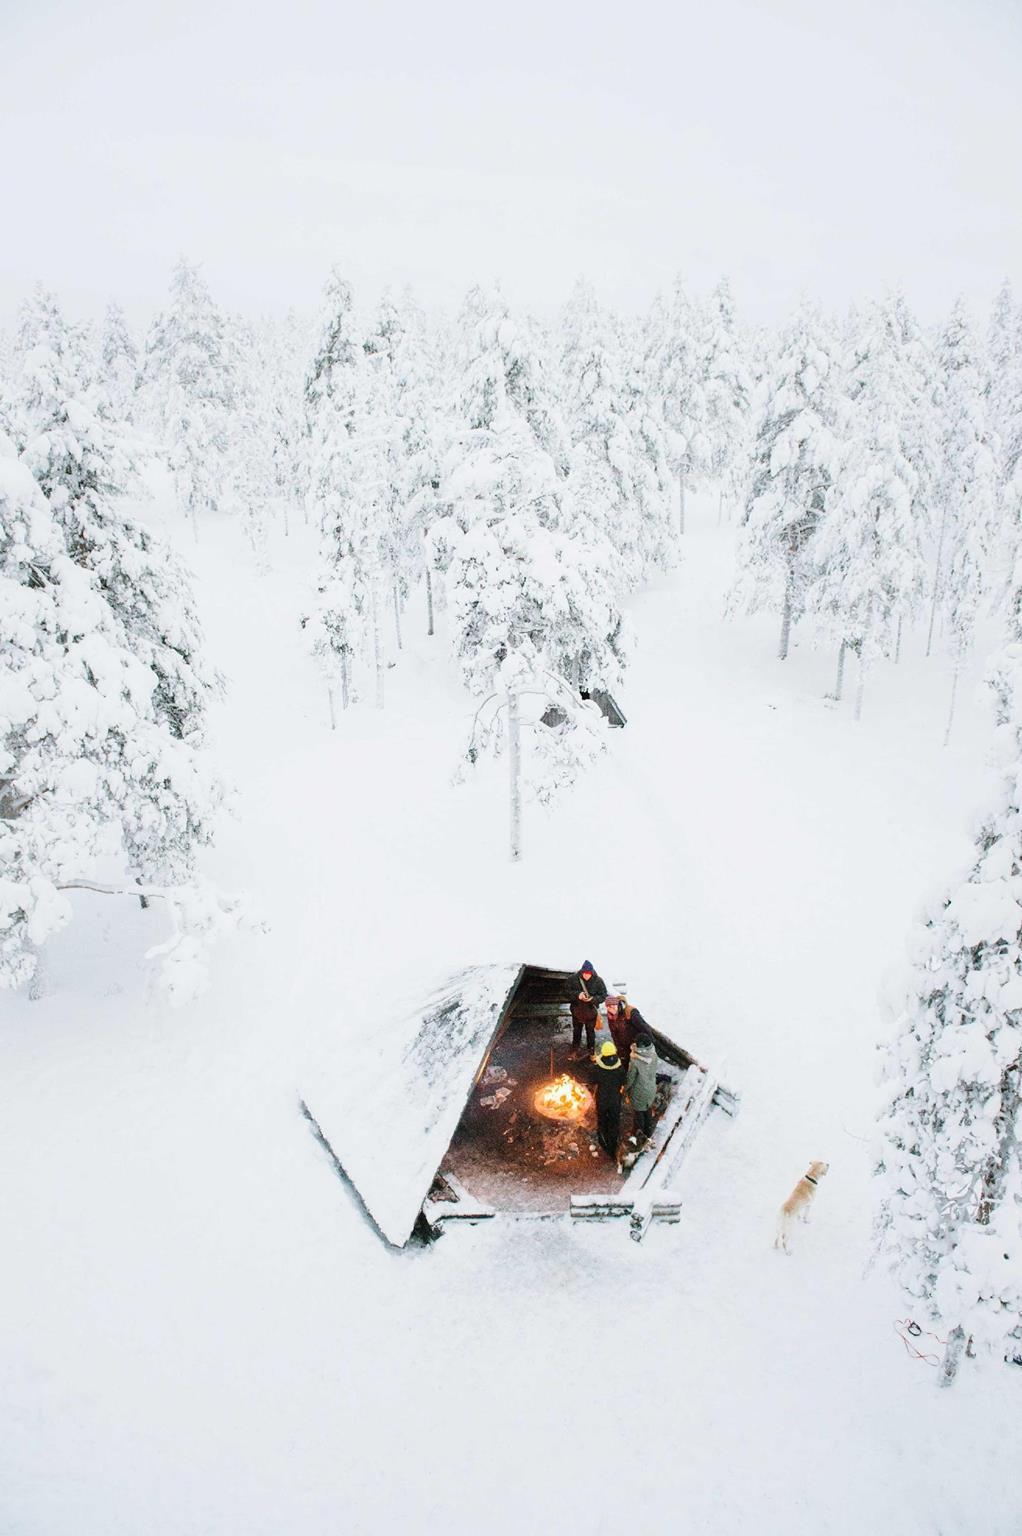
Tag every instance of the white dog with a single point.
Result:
(796, 1207)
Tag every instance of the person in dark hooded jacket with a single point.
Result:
(610, 1079)
(588, 991)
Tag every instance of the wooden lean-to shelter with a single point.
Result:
(469, 1109)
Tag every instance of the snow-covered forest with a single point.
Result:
(521, 479)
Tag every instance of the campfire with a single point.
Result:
(563, 1099)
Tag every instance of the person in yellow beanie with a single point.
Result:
(610, 1080)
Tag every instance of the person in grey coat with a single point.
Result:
(640, 1085)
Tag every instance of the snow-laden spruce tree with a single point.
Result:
(425, 414)
(1005, 386)
(617, 466)
(337, 625)
(869, 552)
(189, 385)
(531, 611)
(727, 396)
(949, 1159)
(93, 774)
(796, 456)
(361, 489)
(677, 363)
(532, 616)
(966, 493)
(133, 635)
(919, 416)
(118, 366)
(332, 377)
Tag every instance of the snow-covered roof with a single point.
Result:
(391, 1118)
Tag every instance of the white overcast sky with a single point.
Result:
(828, 146)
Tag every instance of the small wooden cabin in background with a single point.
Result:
(437, 1121)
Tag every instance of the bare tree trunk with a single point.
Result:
(37, 987)
(143, 901)
(345, 680)
(840, 682)
(515, 764)
(397, 614)
(954, 695)
(429, 601)
(897, 643)
(377, 644)
(333, 712)
(860, 687)
(786, 620)
(952, 1357)
(681, 505)
(937, 573)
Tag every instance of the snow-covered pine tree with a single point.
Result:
(531, 614)
(531, 611)
(677, 362)
(189, 381)
(869, 554)
(332, 377)
(949, 1160)
(50, 747)
(967, 492)
(1005, 388)
(334, 385)
(727, 396)
(616, 448)
(393, 411)
(162, 791)
(118, 362)
(92, 770)
(920, 418)
(426, 430)
(795, 457)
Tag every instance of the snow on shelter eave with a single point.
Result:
(389, 1133)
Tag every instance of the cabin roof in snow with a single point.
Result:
(390, 1116)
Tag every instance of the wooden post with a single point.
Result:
(429, 601)
(344, 679)
(515, 757)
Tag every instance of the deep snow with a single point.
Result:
(199, 1330)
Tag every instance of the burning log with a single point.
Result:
(563, 1099)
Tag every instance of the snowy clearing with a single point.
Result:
(199, 1330)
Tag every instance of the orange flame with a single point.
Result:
(563, 1099)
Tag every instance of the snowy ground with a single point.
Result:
(200, 1334)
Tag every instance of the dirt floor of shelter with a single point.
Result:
(509, 1155)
